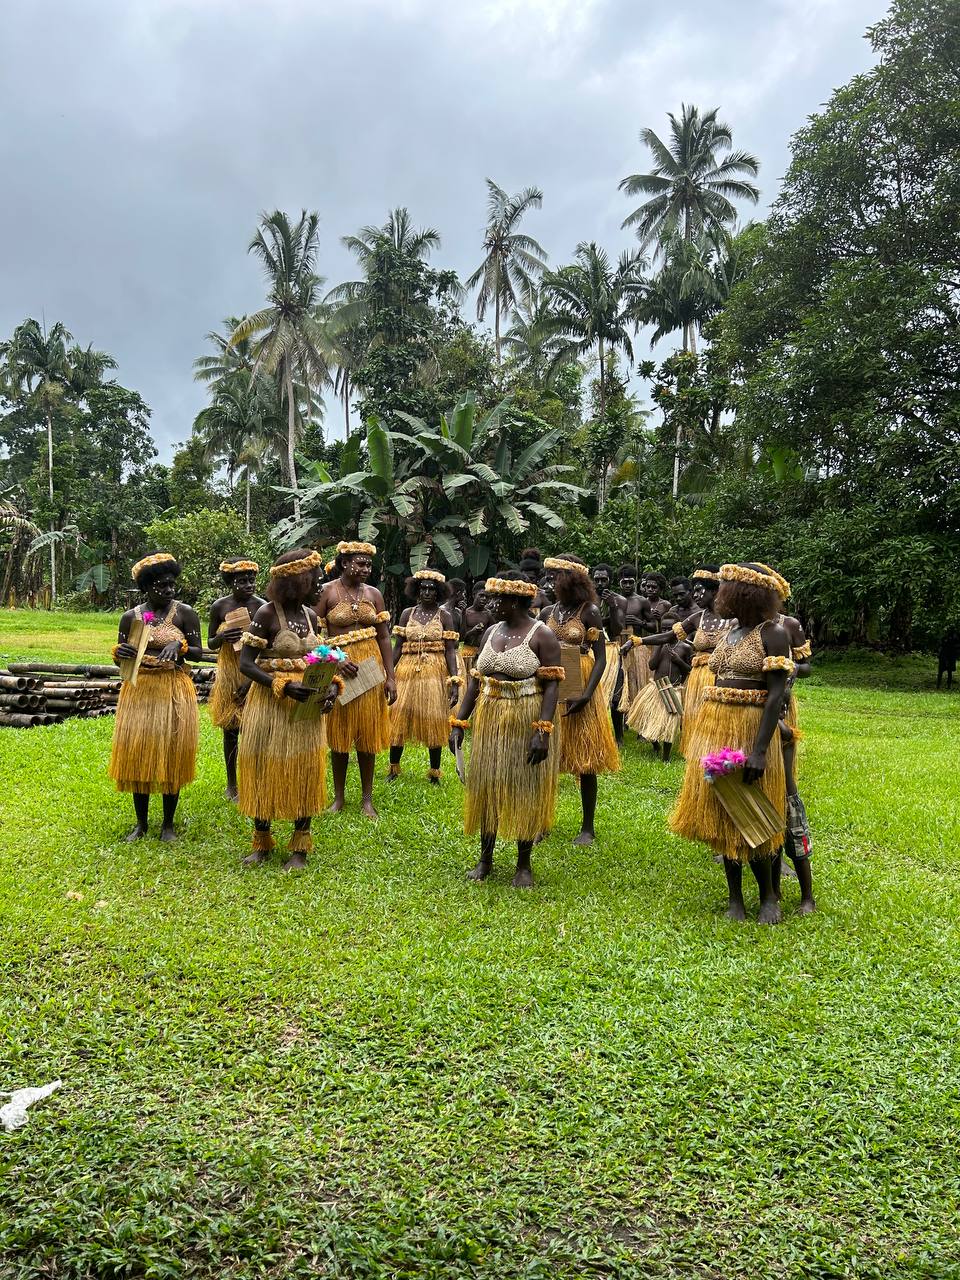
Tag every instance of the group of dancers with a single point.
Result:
(701, 664)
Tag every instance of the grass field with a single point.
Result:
(377, 1070)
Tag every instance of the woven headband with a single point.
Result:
(705, 575)
(510, 587)
(239, 566)
(740, 573)
(162, 557)
(783, 586)
(292, 567)
(356, 549)
(429, 575)
(571, 566)
(329, 567)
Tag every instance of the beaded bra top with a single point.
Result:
(346, 613)
(742, 660)
(572, 631)
(706, 639)
(161, 633)
(288, 643)
(517, 663)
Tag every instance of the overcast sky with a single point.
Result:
(142, 138)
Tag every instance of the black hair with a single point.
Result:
(150, 573)
(681, 582)
(658, 578)
(627, 571)
(456, 584)
(292, 588)
(602, 568)
(579, 588)
(411, 589)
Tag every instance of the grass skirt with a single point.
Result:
(155, 733)
(503, 792)
(587, 744)
(466, 659)
(698, 814)
(225, 710)
(700, 678)
(636, 674)
(363, 724)
(608, 681)
(421, 712)
(281, 765)
(651, 720)
(791, 717)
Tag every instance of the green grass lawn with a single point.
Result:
(378, 1070)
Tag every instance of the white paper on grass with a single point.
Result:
(13, 1114)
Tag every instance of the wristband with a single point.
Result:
(543, 726)
(459, 724)
(454, 680)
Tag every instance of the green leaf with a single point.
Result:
(98, 575)
(367, 527)
(545, 514)
(401, 504)
(477, 523)
(512, 517)
(381, 458)
(463, 420)
(449, 546)
(454, 482)
(478, 559)
(419, 555)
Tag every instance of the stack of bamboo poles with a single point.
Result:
(38, 693)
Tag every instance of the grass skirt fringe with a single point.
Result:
(636, 675)
(608, 681)
(281, 764)
(587, 744)
(363, 724)
(155, 733)
(698, 814)
(503, 792)
(421, 712)
(700, 678)
(651, 720)
(791, 716)
(225, 710)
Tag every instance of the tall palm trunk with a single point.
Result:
(291, 434)
(53, 548)
(496, 327)
(248, 499)
(346, 403)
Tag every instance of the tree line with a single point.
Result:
(807, 413)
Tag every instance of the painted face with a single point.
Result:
(628, 586)
(601, 580)
(428, 591)
(316, 586)
(162, 590)
(244, 584)
(502, 606)
(651, 588)
(699, 594)
(359, 566)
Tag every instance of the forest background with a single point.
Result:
(808, 415)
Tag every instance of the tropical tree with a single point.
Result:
(292, 342)
(591, 307)
(512, 260)
(693, 183)
(229, 357)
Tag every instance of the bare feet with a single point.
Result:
(231, 793)
(585, 837)
(807, 906)
(168, 835)
(296, 862)
(393, 777)
(523, 879)
(369, 811)
(735, 911)
(137, 833)
(336, 806)
(435, 782)
(788, 872)
(770, 912)
(481, 870)
(255, 859)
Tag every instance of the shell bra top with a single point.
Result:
(517, 663)
(288, 643)
(742, 660)
(414, 631)
(706, 639)
(346, 613)
(161, 633)
(573, 631)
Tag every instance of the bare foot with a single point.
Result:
(255, 859)
(718, 859)
(336, 806)
(296, 862)
(585, 837)
(807, 906)
(788, 872)
(393, 777)
(137, 833)
(735, 911)
(770, 912)
(523, 879)
(369, 811)
(481, 870)
(232, 793)
(168, 835)
(432, 780)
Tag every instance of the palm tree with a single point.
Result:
(512, 260)
(527, 341)
(592, 305)
(692, 184)
(292, 341)
(229, 357)
(86, 369)
(397, 233)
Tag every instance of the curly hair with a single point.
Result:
(653, 576)
(530, 553)
(294, 588)
(681, 582)
(154, 572)
(627, 571)
(750, 605)
(602, 567)
(574, 589)
(411, 589)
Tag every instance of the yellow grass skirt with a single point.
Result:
(421, 712)
(155, 733)
(225, 710)
(363, 724)
(587, 744)
(503, 792)
(700, 678)
(466, 659)
(608, 681)
(651, 720)
(281, 765)
(792, 715)
(636, 674)
(698, 814)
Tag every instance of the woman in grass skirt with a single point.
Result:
(226, 701)
(751, 665)
(157, 726)
(282, 761)
(587, 744)
(425, 662)
(511, 783)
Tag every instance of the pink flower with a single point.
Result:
(721, 762)
(147, 616)
(311, 658)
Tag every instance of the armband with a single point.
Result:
(679, 630)
(450, 635)
(459, 724)
(184, 647)
(255, 642)
(382, 616)
(454, 680)
(778, 663)
(400, 631)
(804, 651)
(543, 726)
(550, 673)
(339, 683)
(637, 641)
(113, 652)
(593, 634)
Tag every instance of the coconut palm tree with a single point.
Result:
(592, 305)
(693, 183)
(292, 343)
(512, 260)
(228, 358)
(527, 341)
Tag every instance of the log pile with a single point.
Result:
(40, 693)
